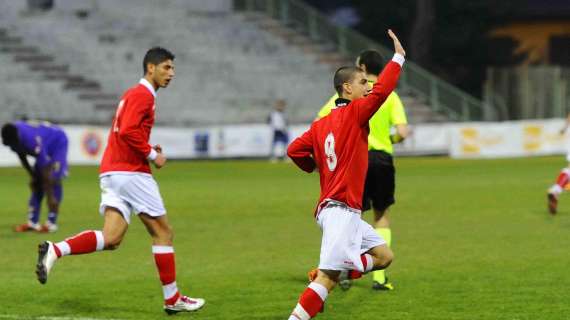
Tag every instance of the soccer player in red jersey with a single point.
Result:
(128, 187)
(562, 180)
(337, 145)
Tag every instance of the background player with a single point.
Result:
(380, 178)
(562, 180)
(128, 186)
(48, 144)
(337, 145)
(278, 122)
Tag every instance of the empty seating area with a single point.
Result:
(71, 64)
(227, 69)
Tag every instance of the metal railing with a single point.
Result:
(441, 96)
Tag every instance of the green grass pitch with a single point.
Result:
(472, 240)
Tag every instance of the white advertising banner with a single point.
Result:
(460, 140)
(433, 139)
(507, 139)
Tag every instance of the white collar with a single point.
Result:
(149, 86)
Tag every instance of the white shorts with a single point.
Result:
(345, 237)
(131, 193)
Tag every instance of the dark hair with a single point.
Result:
(373, 61)
(9, 135)
(344, 75)
(156, 55)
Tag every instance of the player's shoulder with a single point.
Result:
(138, 92)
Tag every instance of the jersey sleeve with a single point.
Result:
(300, 151)
(326, 109)
(138, 107)
(397, 114)
(386, 83)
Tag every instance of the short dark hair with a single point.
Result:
(9, 134)
(372, 59)
(156, 55)
(344, 75)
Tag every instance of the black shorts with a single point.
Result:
(380, 181)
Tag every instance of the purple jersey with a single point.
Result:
(47, 143)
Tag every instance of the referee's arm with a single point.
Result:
(399, 119)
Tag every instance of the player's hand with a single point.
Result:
(157, 148)
(397, 45)
(160, 160)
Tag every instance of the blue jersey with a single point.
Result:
(46, 142)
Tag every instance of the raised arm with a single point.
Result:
(386, 83)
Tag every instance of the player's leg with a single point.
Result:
(116, 213)
(53, 208)
(34, 206)
(283, 142)
(382, 257)
(372, 254)
(312, 300)
(84, 242)
(143, 195)
(340, 253)
(381, 191)
(273, 150)
(59, 172)
(557, 188)
(164, 257)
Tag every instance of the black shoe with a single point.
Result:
(386, 286)
(552, 203)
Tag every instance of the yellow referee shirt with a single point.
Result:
(391, 113)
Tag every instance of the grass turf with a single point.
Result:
(472, 240)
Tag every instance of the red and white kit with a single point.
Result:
(125, 176)
(338, 146)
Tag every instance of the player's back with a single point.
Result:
(340, 145)
(39, 134)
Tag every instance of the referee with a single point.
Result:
(380, 180)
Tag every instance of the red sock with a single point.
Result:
(562, 179)
(311, 301)
(84, 242)
(164, 259)
(366, 260)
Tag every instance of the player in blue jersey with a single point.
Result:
(46, 143)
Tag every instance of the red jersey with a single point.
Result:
(127, 145)
(338, 144)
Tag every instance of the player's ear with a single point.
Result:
(150, 68)
(346, 87)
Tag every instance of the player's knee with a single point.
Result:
(386, 259)
(113, 242)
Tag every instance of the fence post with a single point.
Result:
(249, 5)
(433, 94)
(557, 87)
(313, 33)
(284, 12)
(465, 109)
